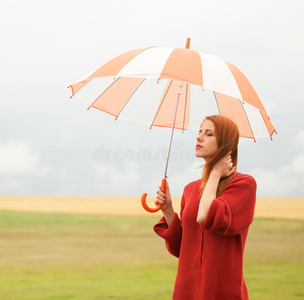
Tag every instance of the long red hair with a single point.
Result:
(227, 137)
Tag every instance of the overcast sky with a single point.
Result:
(51, 145)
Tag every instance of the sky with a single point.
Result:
(52, 145)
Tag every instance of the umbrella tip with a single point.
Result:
(188, 43)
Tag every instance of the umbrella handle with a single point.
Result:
(144, 196)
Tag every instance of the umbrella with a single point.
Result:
(113, 86)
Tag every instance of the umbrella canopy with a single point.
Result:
(113, 86)
(218, 81)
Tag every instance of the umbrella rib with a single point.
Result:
(103, 92)
(161, 103)
(218, 107)
(186, 99)
(129, 98)
(247, 119)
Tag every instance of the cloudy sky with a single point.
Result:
(51, 145)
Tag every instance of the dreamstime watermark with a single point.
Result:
(145, 154)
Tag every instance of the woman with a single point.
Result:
(216, 211)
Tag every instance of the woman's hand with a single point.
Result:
(224, 167)
(165, 200)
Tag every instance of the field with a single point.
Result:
(81, 255)
(278, 208)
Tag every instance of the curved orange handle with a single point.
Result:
(144, 196)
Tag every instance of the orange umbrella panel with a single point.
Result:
(164, 115)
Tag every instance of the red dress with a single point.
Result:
(211, 255)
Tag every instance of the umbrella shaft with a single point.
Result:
(180, 85)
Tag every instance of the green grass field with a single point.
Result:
(57, 256)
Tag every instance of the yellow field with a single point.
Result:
(286, 208)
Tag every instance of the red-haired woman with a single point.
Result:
(216, 211)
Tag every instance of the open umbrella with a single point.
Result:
(112, 88)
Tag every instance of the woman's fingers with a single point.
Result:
(163, 198)
(161, 194)
(227, 166)
(160, 197)
(158, 201)
(229, 160)
(160, 187)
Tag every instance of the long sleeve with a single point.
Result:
(233, 211)
(173, 233)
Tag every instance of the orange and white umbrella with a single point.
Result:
(123, 86)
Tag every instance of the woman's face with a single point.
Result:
(206, 144)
